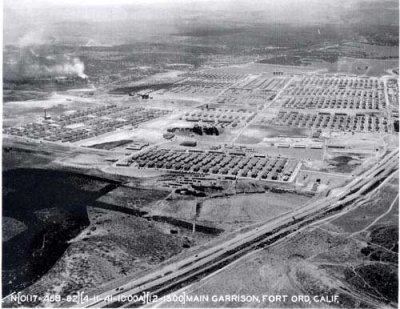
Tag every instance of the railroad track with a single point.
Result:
(176, 275)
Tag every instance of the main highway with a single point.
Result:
(176, 275)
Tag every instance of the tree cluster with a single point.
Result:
(206, 130)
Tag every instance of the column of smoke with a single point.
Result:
(41, 61)
(31, 64)
(57, 65)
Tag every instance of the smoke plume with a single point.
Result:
(31, 63)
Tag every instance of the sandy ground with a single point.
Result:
(54, 100)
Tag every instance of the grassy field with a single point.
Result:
(360, 269)
(370, 67)
(245, 209)
(234, 211)
(362, 216)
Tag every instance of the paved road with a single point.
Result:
(176, 275)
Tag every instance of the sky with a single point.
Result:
(25, 20)
(262, 4)
(18, 4)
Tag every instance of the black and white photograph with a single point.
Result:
(200, 154)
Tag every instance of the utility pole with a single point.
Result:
(197, 213)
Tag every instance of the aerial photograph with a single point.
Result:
(200, 154)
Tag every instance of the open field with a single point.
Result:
(244, 209)
(370, 67)
(233, 211)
